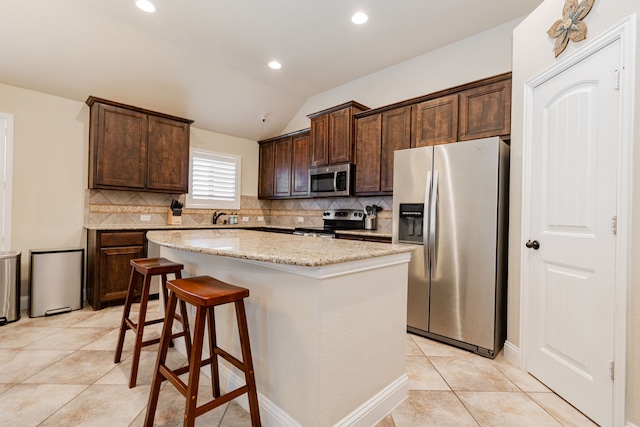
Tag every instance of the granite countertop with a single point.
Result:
(273, 247)
(108, 227)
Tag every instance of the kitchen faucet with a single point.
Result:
(217, 215)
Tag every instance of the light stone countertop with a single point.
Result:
(110, 227)
(273, 247)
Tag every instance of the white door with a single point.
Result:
(575, 142)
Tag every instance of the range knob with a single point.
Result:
(325, 213)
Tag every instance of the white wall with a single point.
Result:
(532, 54)
(50, 168)
(474, 58)
(245, 148)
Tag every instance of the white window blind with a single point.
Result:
(214, 180)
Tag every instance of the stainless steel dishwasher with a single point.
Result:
(55, 281)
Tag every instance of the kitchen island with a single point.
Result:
(327, 320)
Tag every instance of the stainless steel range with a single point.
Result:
(334, 219)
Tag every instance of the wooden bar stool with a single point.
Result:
(204, 293)
(149, 267)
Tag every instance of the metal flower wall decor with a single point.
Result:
(570, 27)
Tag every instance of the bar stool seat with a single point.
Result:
(147, 268)
(204, 293)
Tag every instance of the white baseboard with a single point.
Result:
(376, 408)
(512, 354)
(628, 424)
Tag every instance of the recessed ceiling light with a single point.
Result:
(359, 18)
(145, 5)
(275, 65)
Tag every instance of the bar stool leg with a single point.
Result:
(163, 287)
(248, 363)
(213, 344)
(165, 338)
(194, 368)
(185, 327)
(144, 299)
(125, 315)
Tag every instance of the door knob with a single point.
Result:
(535, 245)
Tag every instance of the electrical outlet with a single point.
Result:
(300, 219)
(260, 219)
(245, 219)
(145, 217)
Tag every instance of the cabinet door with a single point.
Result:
(115, 272)
(486, 111)
(320, 140)
(265, 171)
(340, 136)
(282, 167)
(168, 155)
(396, 135)
(436, 121)
(119, 148)
(368, 154)
(301, 161)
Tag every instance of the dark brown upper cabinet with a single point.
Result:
(396, 135)
(478, 109)
(265, 170)
(284, 166)
(486, 111)
(436, 121)
(301, 162)
(135, 149)
(333, 134)
(368, 154)
(377, 137)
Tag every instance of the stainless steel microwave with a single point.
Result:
(331, 180)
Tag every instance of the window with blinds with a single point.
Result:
(214, 180)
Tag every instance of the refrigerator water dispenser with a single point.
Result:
(411, 218)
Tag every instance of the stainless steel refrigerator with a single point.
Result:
(450, 201)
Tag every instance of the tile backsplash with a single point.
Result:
(110, 207)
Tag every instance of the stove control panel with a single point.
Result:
(343, 214)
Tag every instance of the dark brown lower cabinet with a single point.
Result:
(108, 264)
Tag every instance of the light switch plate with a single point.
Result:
(145, 217)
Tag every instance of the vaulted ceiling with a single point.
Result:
(206, 60)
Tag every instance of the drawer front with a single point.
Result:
(120, 238)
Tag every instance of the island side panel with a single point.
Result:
(322, 347)
(362, 342)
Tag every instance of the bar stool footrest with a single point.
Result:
(229, 358)
(227, 397)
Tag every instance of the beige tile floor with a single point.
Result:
(59, 371)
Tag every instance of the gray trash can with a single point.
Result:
(9, 287)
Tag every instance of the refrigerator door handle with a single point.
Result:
(425, 226)
(433, 222)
